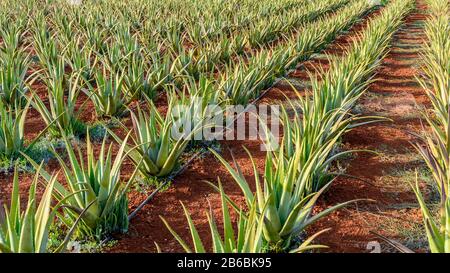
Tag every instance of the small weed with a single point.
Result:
(86, 245)
(40, 152)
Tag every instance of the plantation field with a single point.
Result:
(224, 126)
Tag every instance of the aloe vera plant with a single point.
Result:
(12, 35)
(13, 70)
(240, 85)
(195, 106)
(110, 97)
(63, 93)
(161, 72)
(12, 131)
(82, 60)
(160, 141)
(282, 196)
(136, 79)
(248, 238)
(310, 136)
(46, 48)
(96, 189)
(28, 231)
(153, 142)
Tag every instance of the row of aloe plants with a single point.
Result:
(298, 172)
(435, 147)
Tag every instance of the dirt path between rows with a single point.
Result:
(147, 228)
(396, 95)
